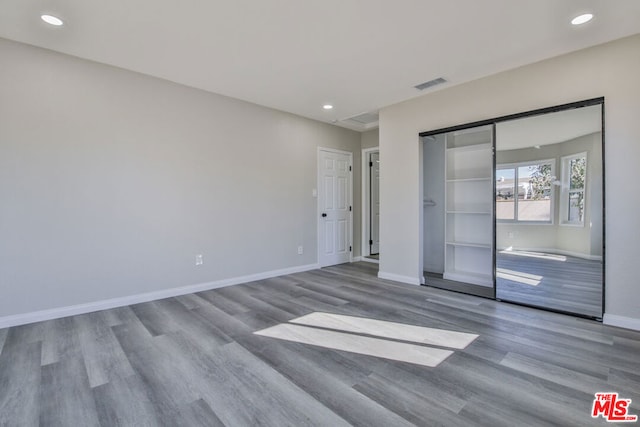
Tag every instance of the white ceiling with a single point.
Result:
(296, 55)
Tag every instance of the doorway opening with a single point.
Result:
(371, 205)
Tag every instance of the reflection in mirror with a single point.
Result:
(549, 194)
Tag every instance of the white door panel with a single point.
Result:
(342, 193)
(329, 191)
(342, 236)
(335, 208)
(329, 238)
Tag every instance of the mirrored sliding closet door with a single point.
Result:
(549, 210)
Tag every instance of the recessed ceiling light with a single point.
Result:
(52, 20)
(582, 19)
(327, 106)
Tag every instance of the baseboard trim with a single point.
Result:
(399, 278)
(356, 259)
(621, 321)
(56, 313)
(372, 261)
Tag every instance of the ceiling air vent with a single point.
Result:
(364, 120)
(430, 83)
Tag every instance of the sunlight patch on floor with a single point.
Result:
(385, 329)
(340, 332)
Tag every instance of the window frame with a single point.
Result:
(552, 191)
(565, 189)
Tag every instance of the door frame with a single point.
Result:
(319, 195)
(366, 187)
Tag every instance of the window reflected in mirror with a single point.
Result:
(524, 191)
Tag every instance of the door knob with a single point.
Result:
(324, 215)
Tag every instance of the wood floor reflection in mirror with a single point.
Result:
(560, 282)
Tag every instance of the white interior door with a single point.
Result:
(334, 201)
(374, 209)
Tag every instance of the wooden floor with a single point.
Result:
(195, 360)
(563, 283)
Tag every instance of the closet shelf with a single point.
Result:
(468, 206)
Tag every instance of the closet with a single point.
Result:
(514, 207)
(458, 205)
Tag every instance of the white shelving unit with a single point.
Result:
(469, 207)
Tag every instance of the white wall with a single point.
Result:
(112, 181)
(369, 139)
(610, 70)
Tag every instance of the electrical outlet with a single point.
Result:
(300, 250)
(199, 259)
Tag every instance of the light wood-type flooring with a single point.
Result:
(557, 282)
(214, 358)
